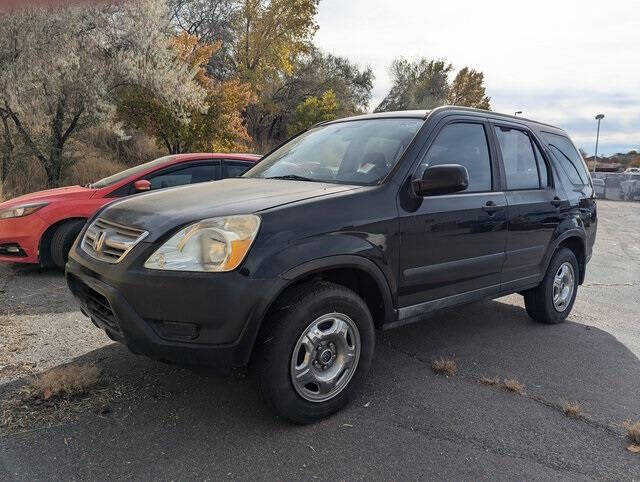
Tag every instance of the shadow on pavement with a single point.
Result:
(174, 422)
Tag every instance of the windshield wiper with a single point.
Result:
(292, 177)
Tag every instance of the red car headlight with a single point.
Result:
(21, 211)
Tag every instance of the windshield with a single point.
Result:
(355, 152)
(108, 181)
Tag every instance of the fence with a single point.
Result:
(616, 186)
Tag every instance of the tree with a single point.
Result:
(312, 74)
(211, 22)
(268, 45)
(217, 126)
(417, 85)
(314, 110)
(271, 33)
(424, 84)
(61, 70)
(7, 148)
(467, 89)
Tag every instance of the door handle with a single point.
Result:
(556, 201)
(490, 207)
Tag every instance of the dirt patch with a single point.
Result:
(57, 396)
(445, 366)
(35, 343)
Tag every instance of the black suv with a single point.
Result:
(367, 222)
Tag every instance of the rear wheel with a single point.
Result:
(551, 301)
(314, 352)
(62, 239)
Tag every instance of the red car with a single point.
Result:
(40, 227)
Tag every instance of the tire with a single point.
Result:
(539, 301)
(295, 314)
(62, 239)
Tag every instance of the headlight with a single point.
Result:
(217, 244)
(21, 211)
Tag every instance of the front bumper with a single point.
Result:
(189, 318)
(24, 232)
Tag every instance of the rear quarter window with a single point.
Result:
(568, 157)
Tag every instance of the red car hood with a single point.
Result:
(58, 194)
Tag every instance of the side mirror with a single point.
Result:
(442, 179)
(142, 185)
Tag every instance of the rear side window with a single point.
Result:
(180, 177)
(464, 144)
(542, 166)
(235, 169)
(519, 159)
(568, 157)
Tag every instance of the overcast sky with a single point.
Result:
(560, 61)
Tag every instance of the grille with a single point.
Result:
(100, 309)
(94, 305)
(110, 242)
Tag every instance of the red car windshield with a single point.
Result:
(108, 181)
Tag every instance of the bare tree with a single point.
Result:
(61, 70)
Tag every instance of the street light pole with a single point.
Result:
(516, 113)
(599, 118)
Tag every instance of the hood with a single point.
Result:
(158, 212)
(49, 195)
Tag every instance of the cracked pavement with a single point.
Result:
(408, 423)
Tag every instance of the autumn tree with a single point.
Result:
(271, 33)
(424, 84)
(62, 68)
(417, 85)
(312, 74)
(268, 45)
(216, 124)
(211, 22)
(467, 89)
(314, 110)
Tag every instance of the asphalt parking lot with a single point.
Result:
(171, 423)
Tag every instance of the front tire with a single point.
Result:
(552, 300)
(62, 239)
(314, 352)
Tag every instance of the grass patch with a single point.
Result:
(69, 381)
(445, 366)
(512, 385)
(493, 382)
(571, 409)
(56, 396)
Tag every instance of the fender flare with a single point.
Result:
(571, 233)
(346, 261)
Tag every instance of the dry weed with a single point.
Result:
(445, 366)
(571, 409)
(495, 381)
(55, 396)
(512, 385)
(633, 431)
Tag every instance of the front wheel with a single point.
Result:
(551, 301)
(63, 238)
(314, 352)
